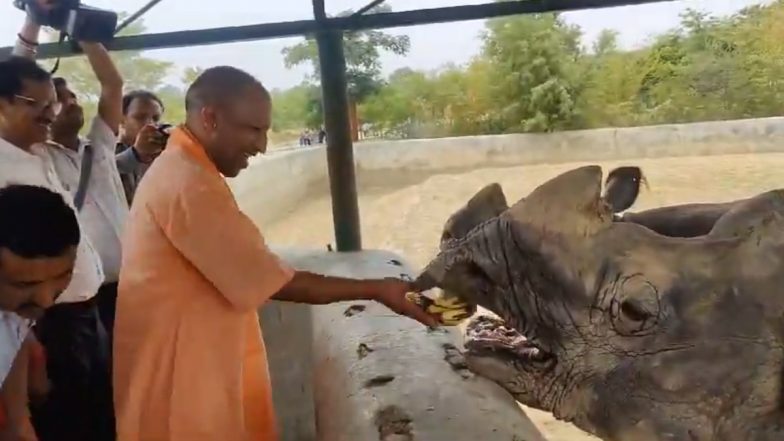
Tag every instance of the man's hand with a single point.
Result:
(149, 143)
(392, 294)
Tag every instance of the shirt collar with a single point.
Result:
(182, 138)
(11, 152)
(66, 150)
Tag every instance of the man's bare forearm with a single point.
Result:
(27, 40)
(315, 289)
(103, 66)
(111, 81)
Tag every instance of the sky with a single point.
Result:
(432, 46)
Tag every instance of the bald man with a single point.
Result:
(189, 360)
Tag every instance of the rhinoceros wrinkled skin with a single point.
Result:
(631, 334)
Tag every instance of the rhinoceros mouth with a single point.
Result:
(490, 336)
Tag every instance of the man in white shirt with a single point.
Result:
(39, 235)
(78, 347)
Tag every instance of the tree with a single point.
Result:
(363, 66)
(403, 102)
(535, 69)
(532, 75)
(190, 74)
(606, 43)
(296, 108)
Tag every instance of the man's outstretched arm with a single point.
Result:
(226, 247)
(315, 289)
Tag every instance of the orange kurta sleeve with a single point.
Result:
(207, 227)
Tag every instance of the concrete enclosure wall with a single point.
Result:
(280, 181)
(348, 375)
(376, 376)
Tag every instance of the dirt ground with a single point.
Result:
(408, 219)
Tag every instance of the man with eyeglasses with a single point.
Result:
(78, 348)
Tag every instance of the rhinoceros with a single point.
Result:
(625, 330)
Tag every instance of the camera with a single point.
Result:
(164, 130)
(80, 22)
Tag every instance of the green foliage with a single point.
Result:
(296, 108)
(362, 51)
(532, 76)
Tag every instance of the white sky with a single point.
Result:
(431, 46)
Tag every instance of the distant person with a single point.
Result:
(39, 238)
(140, 140)
(189, 359)
(322, 136)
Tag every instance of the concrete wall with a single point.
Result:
(376, 376)
(354, 396)
(288, 177)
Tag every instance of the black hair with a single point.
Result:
(219, 84)
(36, 222)
(144, 94)
(14, 71)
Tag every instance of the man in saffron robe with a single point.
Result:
(189, 360)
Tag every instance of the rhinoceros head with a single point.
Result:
(629, 334)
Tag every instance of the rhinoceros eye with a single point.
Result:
(635, 310)
(636, 307)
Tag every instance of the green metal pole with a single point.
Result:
(340, 150)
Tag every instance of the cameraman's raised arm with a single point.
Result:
(27, 40)
(110, 101)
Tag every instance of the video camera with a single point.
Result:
(80, 22)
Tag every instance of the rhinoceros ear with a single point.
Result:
(487, 203)
(622, 187)
(570, 203)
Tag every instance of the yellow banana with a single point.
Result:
(450, 311)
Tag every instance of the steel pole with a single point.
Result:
(340, 150)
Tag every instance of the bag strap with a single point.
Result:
(84, 176)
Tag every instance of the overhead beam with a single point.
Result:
(202, 37)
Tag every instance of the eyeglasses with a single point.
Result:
(39, 106)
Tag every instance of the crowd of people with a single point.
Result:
(122, 314)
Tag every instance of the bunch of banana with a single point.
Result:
(450, 310)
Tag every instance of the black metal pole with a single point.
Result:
(340, 149)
